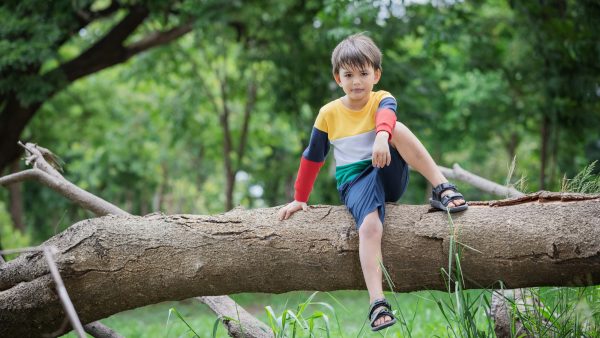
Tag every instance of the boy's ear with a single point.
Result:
(336, 76)
(377, 75)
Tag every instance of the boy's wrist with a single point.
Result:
(383, 134)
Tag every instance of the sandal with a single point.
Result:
(379, 309)
(441, 202)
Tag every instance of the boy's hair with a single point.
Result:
(356, 52)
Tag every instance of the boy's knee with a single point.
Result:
(371, 228)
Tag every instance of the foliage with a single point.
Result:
(479, 82)
(584, 182)
(560, 312)
(11, 238)
(147, 135)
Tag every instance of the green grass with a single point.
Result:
(420, 310)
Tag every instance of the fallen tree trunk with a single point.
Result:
(45, 165)
(114, 263)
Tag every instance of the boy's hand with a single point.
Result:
(381, 150)
(291, 208)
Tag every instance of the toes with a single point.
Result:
(383, 320)
(456, 203)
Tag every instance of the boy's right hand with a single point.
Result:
(287, 211)
(381, 150)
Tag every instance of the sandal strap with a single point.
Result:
(379, 303)
(451, 197)
(382, 312)
(440, 188)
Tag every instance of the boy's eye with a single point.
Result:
(364, 73)
(348, 75)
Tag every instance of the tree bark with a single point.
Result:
(227, 308)
(156, 258)
(15, 191)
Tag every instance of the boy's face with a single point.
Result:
(358, 83)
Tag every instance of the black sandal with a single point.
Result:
(379, 309)
(441, 202)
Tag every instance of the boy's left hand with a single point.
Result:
(381, 150)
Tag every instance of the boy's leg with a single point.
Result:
(415, 154)
(369, 250)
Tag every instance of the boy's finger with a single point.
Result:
(282, 213)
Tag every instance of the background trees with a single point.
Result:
(218, 117)
(195, 106)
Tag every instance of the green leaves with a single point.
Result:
(288, 323)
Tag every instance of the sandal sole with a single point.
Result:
(384, 325)
(440, 206)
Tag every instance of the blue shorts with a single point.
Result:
(373, 187)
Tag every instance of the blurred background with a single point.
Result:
(198, 106)
(218, 116)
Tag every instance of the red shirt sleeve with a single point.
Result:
(385, 120)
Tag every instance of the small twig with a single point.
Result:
(62, 292)
(50, 177)
(20, 176)
(97, 329)
(479, 182)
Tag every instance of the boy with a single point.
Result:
(371, 151)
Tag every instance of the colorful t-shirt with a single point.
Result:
(351, 133)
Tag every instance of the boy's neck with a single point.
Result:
(354, 105)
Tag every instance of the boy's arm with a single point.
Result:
(311, 162)
(385, 121)
(385, 117)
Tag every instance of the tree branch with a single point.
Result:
(107, 51)
(249, 107)
(49, 176)
(99, 330)
(85, 17)
(158, 38)
(243, 325)
(479, 182)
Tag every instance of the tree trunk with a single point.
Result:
(114, 263)
(15, 192)
(106, 52)
(544, 151)
(13, 119)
